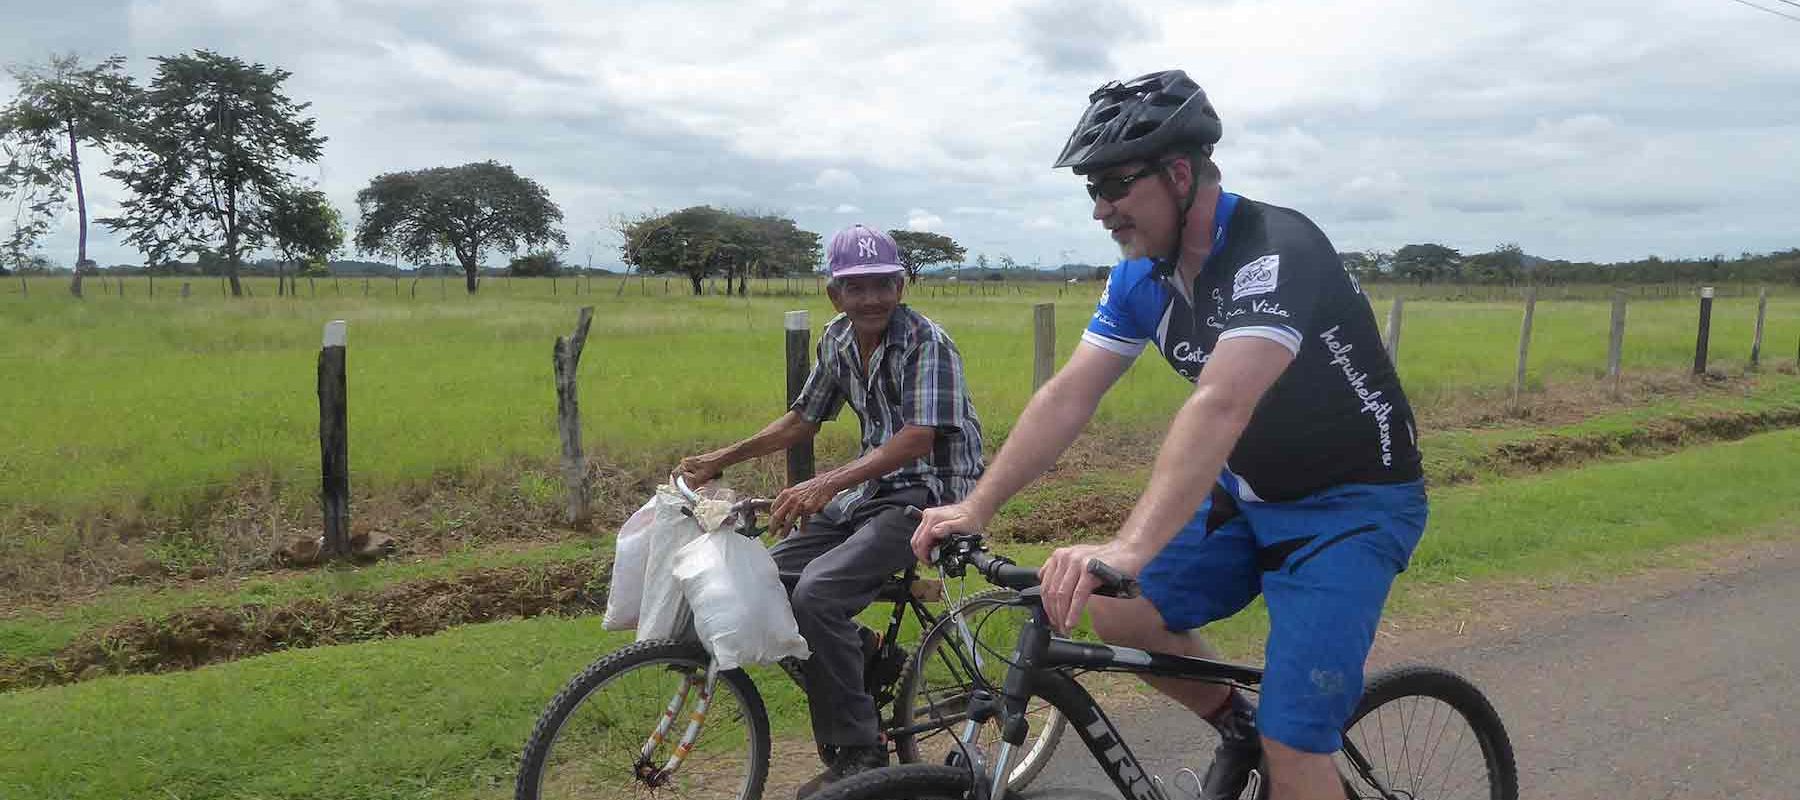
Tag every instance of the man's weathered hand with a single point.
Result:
(699, 470)
(798, 502)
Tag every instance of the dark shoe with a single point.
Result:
(1230, 770)
(848, 761)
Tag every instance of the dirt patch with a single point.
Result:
(1569, 402)
(235, 530)
(1557, 450)
(1067, 516)
(196, 637)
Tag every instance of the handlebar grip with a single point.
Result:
(1112, 582)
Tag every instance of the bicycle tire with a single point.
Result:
(906, 782)
(667, 653)
(1387, 690)
(1044, 737)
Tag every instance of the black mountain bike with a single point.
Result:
(656, 720)
(1419, 733)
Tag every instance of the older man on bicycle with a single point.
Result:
(1297, 424)
(921, 446)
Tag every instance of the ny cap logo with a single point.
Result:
(865, 247)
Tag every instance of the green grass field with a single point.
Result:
(445, 715)
(136, 402)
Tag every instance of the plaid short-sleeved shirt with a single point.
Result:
(915, 378)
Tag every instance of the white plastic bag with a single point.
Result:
(659, 612)
(631, 555)
(741, 610)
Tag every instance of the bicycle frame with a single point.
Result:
(1040, 666)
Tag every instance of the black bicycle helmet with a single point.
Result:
(1140, 119)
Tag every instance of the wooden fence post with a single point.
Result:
(568, 419)
(799, 352)
(1762, 309)
(24, 287)
(334, 440)
(1524, 343)
(1043, 317)
(1615, 349)
(1393, 330)
(1700, 343)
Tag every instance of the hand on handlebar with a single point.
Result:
(937, 523)
(1068, 584)
(698, 470)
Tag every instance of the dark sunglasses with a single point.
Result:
(1114, 189)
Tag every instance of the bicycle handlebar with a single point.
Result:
(744, 511)
(970, 549)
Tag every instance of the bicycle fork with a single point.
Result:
(696, 721)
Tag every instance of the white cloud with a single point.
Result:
(919, 219)
(724, 191)
(832, 179)
(846, 208)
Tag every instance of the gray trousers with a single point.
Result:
(834, 567)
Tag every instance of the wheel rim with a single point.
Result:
(1420, 748)
(942, 696)
(597, 751)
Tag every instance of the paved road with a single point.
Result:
(1691, 692)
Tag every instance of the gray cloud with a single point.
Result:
(1639, 207)
(1076, 36)
(1478, 204)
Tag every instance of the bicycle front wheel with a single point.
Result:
(1423, 733)
(649, 721)
(905, 782)
(934, 692)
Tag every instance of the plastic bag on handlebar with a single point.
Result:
(741, 610)
(631, 555)
(660, 607)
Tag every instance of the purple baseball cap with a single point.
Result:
(861, 250)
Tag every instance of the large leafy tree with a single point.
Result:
(61, 106)
(920, 249)
(701, 241)
(305, 229)
(462, 211)
(1423, 263)
(211, 158)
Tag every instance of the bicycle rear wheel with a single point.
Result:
(622, 729)
(935, 689)
(1425, 733)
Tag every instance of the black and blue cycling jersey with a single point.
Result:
(1337, 415)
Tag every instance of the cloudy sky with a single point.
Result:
(1584, 130)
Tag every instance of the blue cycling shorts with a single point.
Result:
(1324, 563)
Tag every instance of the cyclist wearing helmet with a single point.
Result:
(1297, 423)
